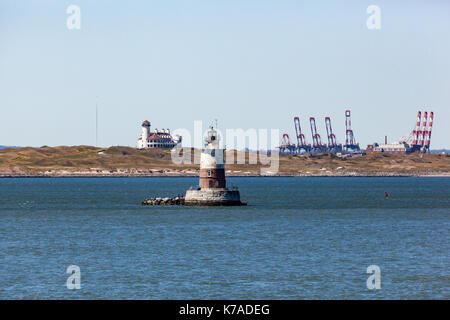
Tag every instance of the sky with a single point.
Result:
(248, 63)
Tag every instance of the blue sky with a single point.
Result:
(249, 63)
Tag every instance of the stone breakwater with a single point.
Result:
(163, 201)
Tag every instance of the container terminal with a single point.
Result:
(418, 141)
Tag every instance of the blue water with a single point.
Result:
(299, 238)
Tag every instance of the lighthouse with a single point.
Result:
(212, 171)
(212, 188)
(142, 141)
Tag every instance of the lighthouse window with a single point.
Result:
(209, 173)
(210, 183)
(213, 153)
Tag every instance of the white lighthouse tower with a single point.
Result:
(212, 170)
(142, 141)
(212, 188)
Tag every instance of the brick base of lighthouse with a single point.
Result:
(213, 197)
(212, 178)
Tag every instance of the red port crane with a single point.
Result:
(416, 132)
(350, 141)
(317, 142)
(331, 137)
(286, 144)
(301, 140)
(423, 132)
(428, 136)
(420, 138)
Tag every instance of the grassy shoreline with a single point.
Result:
(88, 161)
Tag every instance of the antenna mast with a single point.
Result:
(96, 121)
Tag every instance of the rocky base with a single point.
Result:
(214, 204)
(213, 197)
(202, 197)
(163, 201)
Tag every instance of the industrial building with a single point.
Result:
(156, 139)
(419, 139)
(395, 148)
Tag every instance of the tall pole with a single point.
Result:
(96, 121)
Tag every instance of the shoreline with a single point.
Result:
(88, 161)
(348, 175)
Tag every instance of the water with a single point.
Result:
(299, 238)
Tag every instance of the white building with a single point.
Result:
(397, 147)
(156, 139)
